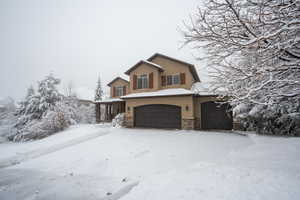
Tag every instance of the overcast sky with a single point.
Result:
(79, 39)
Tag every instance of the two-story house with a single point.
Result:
(158, 95)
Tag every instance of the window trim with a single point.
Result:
(119, 89)
(169, 81)
(172, 79)
(144, 84)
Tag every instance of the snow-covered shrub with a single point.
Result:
(56, 119)
(118, 121)
(280, 119)
(7, 117)
(48, 111)
(44, 113)
(86, 113)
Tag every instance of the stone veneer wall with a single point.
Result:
(128, 122)
(188, 124)
(197, 123)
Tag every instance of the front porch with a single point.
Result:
(107, 109)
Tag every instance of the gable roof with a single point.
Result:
(151, 64)
(191, 66)
(117, 78)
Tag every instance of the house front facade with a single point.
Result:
(159, 94)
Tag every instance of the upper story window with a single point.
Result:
(173, 79)
(142, 81)
(119, 91)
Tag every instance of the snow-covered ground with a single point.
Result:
(101, 162)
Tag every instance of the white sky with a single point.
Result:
(79, 39)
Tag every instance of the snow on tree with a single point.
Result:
(48, 93)
(99, 90)
(118, 121)
(23, 104)
(44, 112)
(48, 111)
(87, 113)
(7, 116)
(253, 47)
(69, 90)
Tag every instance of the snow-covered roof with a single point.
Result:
(205, 89)
(160, 68)
(191, 66)
(165, 92)
(151, 63)
(202, 88)
(117, 78)
(109, 100)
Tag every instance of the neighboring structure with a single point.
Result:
(159, 95)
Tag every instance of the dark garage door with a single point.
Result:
(215, 116)
(157, 116)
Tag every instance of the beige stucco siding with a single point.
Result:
(171, 68)
(119, 82)
(145, 69)
(185, 102)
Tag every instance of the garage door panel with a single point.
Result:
(215, 116)
(158, 116)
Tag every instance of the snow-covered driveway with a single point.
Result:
(100, 162)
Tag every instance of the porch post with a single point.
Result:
(105, 116)
(96, 112)
(99, 113)
(110, 110)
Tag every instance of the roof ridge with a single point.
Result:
(191, 66)
(152, 63)
(118, 77)
(146, 62)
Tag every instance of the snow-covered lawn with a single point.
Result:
(101, 162)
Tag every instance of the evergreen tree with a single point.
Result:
(98, 91)
(23, 104)
(30, 92)
(47, 90)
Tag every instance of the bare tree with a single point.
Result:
(252, 45)
(69, 90)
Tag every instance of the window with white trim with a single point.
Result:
(173, 79)
(176, 79)
(119, 90)
(142, 81)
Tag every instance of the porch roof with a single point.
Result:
(160, 93)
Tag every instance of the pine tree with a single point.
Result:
(98, 91)
(23, 104)
(30, 92)
(47, 90)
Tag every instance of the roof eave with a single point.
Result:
(139, 63)
(115, 79)
(191, 66)
(140, 97)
